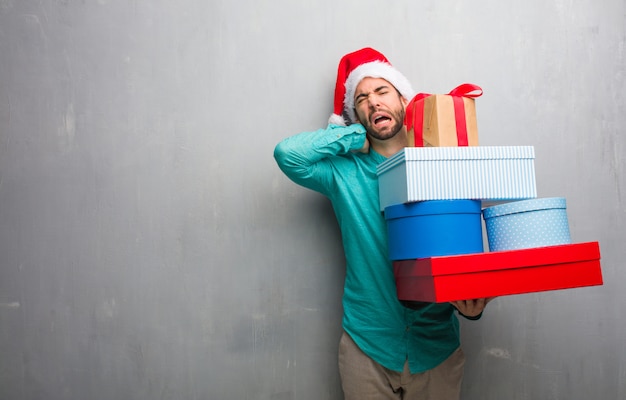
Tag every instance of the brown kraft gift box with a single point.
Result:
(438, 115)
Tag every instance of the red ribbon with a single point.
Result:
(414, 117)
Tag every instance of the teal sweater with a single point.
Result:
(326, 161)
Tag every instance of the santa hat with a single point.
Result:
(353, 67)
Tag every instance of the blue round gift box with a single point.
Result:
(434, 228)
(527, 224)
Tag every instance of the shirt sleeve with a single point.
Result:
(306, 158)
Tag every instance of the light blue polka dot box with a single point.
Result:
(527, 224)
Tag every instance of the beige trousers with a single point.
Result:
(363, 378)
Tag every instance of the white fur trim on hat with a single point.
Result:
(337, 120)
(374, 69)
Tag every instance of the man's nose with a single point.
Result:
(373, 100)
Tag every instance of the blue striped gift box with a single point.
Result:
(493, 173)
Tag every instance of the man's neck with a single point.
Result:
(390, 146)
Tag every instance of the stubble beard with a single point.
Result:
(398, 118)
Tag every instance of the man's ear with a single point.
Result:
(356, 115)
(405, 102)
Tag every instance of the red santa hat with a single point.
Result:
(353, 67)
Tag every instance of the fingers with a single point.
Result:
(472, 307)
(464, 306)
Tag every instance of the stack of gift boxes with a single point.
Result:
(437, 194)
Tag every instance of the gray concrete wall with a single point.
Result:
(151, 249)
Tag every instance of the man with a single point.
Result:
(387, 350)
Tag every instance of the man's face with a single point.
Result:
(379, 108)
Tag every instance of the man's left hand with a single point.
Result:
(471, 308)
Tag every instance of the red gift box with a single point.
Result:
(473, 276)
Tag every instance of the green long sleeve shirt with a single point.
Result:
(327, 161)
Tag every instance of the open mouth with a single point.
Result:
(380, 120)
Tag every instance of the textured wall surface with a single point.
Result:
(151, 249)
